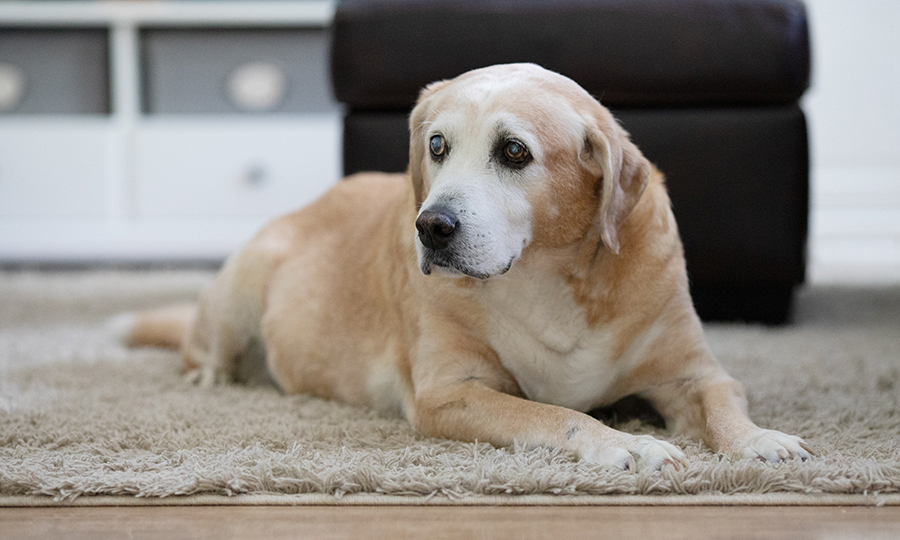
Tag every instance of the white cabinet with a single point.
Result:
(54, 169)
(133, 138)
(216, 169)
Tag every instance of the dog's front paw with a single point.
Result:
(637, 453)
(774, 447)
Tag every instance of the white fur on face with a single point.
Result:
(488, 198)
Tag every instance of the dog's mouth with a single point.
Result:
(453, 268)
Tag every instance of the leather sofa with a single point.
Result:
(708, 89)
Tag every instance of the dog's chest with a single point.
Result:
(542, 337)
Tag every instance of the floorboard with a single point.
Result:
(436, 523)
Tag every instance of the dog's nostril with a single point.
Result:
(444, 225)
(436, 228)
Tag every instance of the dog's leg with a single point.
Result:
(220, 332)
(210, 347)
(229, 312)
(468, 398)
(713, 408)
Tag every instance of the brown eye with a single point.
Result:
(438, 146)
(515, 152)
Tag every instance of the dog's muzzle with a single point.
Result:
(437, 228)
(445, 246)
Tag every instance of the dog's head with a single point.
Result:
(512, 157)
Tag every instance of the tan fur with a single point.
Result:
(337, 297)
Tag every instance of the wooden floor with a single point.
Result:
(435, 523)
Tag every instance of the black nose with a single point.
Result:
(436, 228)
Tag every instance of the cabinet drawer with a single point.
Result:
(236, 71)
(54, 169)
(54, 71)
(218, 169)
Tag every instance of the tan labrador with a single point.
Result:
(525, 270)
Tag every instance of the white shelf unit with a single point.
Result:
(135, 185)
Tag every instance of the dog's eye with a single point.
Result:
(438, 147)
(516, 152)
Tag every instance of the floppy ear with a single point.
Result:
(623, 171)
(417, 140)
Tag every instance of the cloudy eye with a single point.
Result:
(515, 154)
(438, 147)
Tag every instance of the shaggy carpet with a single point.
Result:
(85, 421)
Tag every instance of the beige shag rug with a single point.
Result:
(85, 421)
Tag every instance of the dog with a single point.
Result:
(526, 269)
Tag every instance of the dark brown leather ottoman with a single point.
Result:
(709, 90)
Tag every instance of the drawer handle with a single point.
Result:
(12, 86)
(255, 176)
(257, 86)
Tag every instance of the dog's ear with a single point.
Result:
(621, 169)
(417, 141)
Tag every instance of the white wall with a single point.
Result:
(854, 116)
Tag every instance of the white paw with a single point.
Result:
(774, 447)
(206, 377)
(637, 454)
